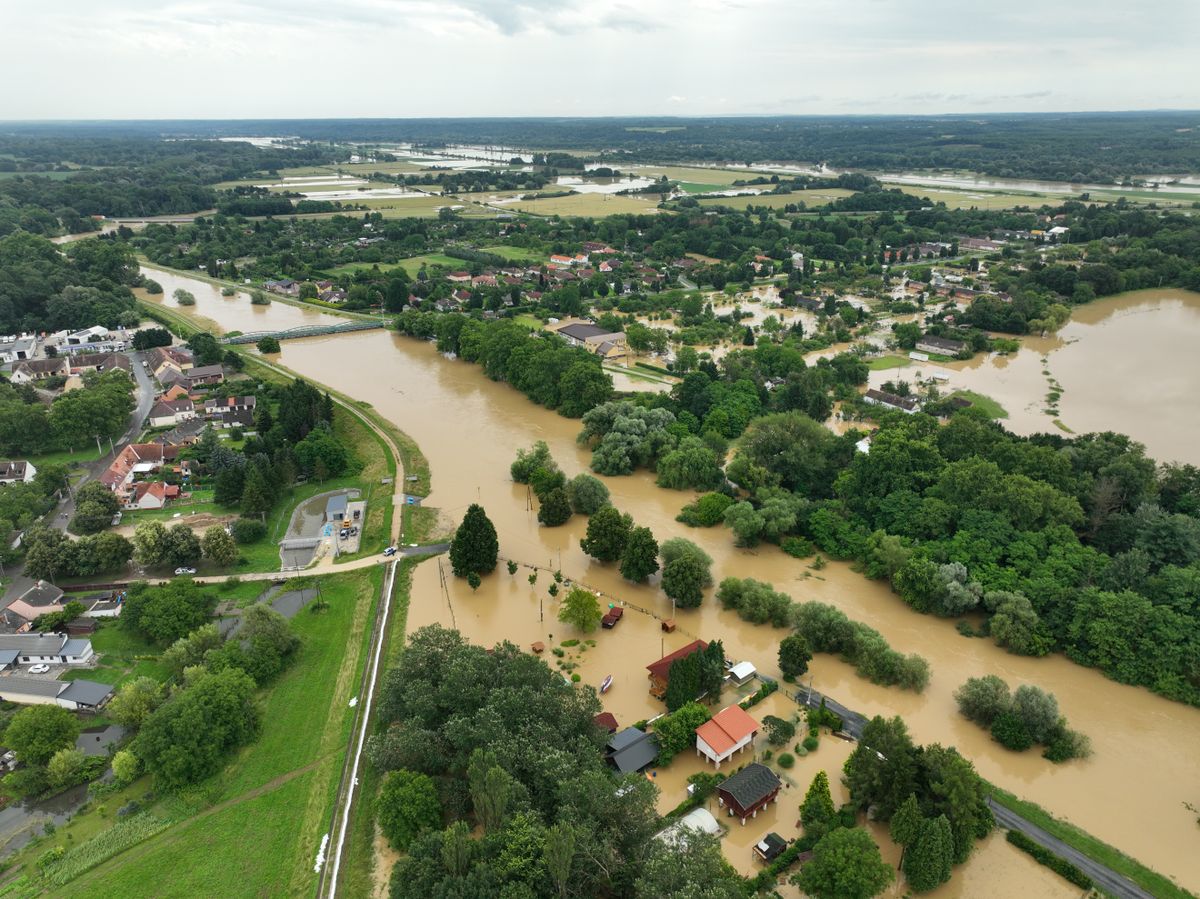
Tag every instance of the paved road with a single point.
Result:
(1105, 878)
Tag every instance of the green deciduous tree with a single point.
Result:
(475, 547)
(794, 655)
(135, 701)
(554, 509)
(186, 738)
(166, 612)
(37, 732)
(407, 805)
(845, 865)
(218, 546)
(607, 534)
(581, 609)
(587, 494)
(639, 559)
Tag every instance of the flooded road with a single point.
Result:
(1131, 793)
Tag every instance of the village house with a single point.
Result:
(205, 375)
(37, 649)
(94, 334)
(285, 287)
(484, 281)
(76, 695)
(631, 750)
(40, 599)
(946, 346)
(151, 495)
(17, 470)
(168, 413)
(747, 791)
(30, 371)
(591, 247)
(136, 459)
(660, 671)
(728, 732)
(459, 277)
(226, 404)
(98, 362)
(881, 398)
(332, 295)
(593, 338)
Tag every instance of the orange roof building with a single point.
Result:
(660, 671)
(729, 731)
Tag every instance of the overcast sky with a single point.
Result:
(385, 58)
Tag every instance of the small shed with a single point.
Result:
(606, 721)
(769, 847)
(335, 509)
(742, 673)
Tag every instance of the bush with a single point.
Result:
(705, 512)
(1068, 744)
(797, 547)
(779, 731)
(786, 760)
(1010, 732)
(768, 687)
(810, 743)
(1045, 857)
(248, 530)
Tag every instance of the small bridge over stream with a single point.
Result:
(306, 331)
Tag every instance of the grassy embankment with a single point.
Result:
(359, 860)
(886, 363)
(253, 829)
(986, 404)
(1099, 851)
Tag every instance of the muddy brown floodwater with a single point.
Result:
(1131, 793)
(1126, 363)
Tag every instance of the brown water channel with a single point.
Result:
(1131, 793)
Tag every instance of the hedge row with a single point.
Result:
(1045, 857)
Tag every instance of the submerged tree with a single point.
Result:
(475, 547)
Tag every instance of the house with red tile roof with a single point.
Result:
(729, 731)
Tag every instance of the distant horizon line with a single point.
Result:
(622, 116)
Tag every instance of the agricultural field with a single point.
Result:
(810, 198)
(253, 829)
(593, 204)
(516, 254)
(709, 178)
(975, 199)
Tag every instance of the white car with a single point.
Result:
(38, 669)
(185, 570)
(390, 551)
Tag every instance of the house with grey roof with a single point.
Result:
(632, 750)
(51, 649)
(77, 695)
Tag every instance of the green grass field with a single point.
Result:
(810, 198)
(82, 454)
(351, 267)
(989, 406)
(516, 254)
(596, 205)
(254, 829)
(413, 265)
(885, 363)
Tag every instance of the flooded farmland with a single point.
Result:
(1131, 793)
(1126, 363)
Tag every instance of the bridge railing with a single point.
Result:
(304, 331)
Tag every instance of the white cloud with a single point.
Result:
(302, 58)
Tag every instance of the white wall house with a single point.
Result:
(50, 649)
(728, 732)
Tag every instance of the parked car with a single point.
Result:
(185, 570)
(38, 669)
(343, 533)
(390, 551)
(353, 532)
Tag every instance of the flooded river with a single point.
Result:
(1131, 793)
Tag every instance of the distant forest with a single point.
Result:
(1082, 147)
